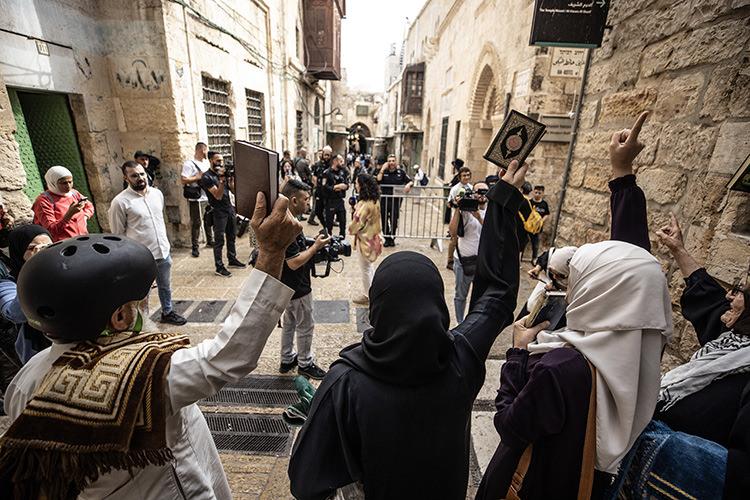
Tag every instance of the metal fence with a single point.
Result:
(418, 215)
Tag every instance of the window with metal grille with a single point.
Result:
(218, 120)
(443, 147)
(363, 110)
(298, 133)
(254, 104)
(317, 111)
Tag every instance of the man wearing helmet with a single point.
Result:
(108, 410)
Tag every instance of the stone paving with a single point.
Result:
(207, 295)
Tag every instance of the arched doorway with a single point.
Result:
(358, 141)
(486, 108)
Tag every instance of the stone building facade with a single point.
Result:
(353, 118)
(689, 64)
(86, 83)
(466, 64)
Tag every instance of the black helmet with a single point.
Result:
(71, 288)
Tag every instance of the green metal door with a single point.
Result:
(46, 136)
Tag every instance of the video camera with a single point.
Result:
(228, 170)
(469, 201)
(332, 252)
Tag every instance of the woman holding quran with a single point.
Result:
(572, 402)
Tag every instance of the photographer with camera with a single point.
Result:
(216, 184)
(334, 185)
(466, 226)
(298, 315)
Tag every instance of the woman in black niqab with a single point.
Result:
(393, 413)
(409, 342)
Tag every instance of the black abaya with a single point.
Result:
(394, 412)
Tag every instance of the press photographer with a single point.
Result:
(298, 316)
(216, 183)
(466, 225)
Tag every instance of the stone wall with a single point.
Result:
(689, 64)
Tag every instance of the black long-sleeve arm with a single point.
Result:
(628, 205)
(493, 299)
(703, 302)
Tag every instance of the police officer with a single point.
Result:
(320, 166)
(391, 175)
(334, 184)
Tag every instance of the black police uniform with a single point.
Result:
(224, 218)
(334, 200)
(318, 200)
(390, 206)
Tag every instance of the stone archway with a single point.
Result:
(486, 106)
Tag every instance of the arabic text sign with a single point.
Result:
(567, 62)
(572, 23)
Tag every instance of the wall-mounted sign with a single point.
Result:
(569, 23)
(567, 62)
(522, 84)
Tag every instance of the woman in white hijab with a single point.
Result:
(61, 209)
(619, 319)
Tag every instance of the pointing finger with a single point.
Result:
(637, 126)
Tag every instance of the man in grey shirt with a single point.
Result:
(138, 213)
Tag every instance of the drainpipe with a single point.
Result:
(571, 147)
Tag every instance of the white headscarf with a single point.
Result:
(619, 317)
(53, 175)
(559, 259)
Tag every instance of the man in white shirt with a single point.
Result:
(118, 271)
(466, 224)
(138, 213)
(192, 171)
(463, 182)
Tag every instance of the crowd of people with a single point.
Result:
(105, 405)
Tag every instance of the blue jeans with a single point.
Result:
(163, 276)
(667, 464)
(463, 282)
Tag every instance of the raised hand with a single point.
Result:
(624, 147)
(671, 235)
(274, 232)
(515, 175)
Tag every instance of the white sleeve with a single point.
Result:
(118, 219)
(199, 372)
(188, 169)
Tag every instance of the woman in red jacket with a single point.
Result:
(60, 209)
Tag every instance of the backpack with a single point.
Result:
(424, 180)
(533, 224)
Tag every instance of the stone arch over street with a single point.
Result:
(485, 103)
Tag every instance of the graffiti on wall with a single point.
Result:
(140, 76)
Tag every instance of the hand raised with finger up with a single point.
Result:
(624, 147)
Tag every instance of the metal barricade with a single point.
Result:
(420, 214)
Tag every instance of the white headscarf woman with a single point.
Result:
(619, 317)
(53, 175)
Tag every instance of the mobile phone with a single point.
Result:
(83, 200)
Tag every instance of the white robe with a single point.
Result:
(195, 373)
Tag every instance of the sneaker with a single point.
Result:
(195, 252)
(222, 271)
(449, 266)
(173, 319)
(210, 244)
(312, 223)
(286, 367)
(313, 371)
(362, 300)
(236, 263)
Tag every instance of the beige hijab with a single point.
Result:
(619, 317)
